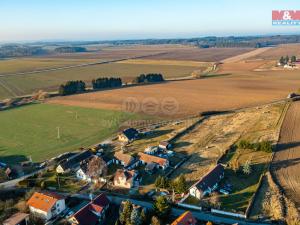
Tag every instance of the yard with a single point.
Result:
(32, 131)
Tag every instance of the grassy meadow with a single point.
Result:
(11, 86)
(32, 130)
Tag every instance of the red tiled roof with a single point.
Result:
(185, 219)
(152, 159)
(44, 201)
(126, 158)
(16, 219)
(86, 215)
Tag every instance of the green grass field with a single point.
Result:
(32, 130)
(49, 81)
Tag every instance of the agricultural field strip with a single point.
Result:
(246, 55)
(74, 66)
(288, 175)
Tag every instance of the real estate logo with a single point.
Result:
(286, 17)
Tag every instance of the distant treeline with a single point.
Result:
(7, 51)
(211, 41)
(105, 82)
(72, 87)
(70, 49)
(148, 78)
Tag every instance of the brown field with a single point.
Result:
(278, 51)
(286, 162)
(245, 55)
(202, 55)
(194, 96)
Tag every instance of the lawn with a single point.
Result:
(31, 131)
(244, 186)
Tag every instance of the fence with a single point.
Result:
(228, 213)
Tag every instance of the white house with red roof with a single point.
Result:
(46, 205)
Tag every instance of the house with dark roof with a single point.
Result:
(92, 213)
(17, 219)
(185, 218)
(82, 172)
(128, 135)
(208, 183)
(46, 205)
(73, 163)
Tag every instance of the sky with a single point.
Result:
(31, 20)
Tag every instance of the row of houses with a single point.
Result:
(49, 205)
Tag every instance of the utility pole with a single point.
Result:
(58, 133)
(76, 116)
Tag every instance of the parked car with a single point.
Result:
(223, 191)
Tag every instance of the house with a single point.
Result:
(150, 168)
(165, 145)
(128, 135)
(125, 178)
(46, 205)
(83, 174)
(73, 163)
(185, 219)
(17, 219)
(151, 150)
(123, 159)
(208, 183)
(92, 213)
(161, 163)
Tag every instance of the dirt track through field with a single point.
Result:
(286, 162)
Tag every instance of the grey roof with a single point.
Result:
(130, 133)
(211, 178)
(74, 161)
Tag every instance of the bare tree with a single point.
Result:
(96, 167)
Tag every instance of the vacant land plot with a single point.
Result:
(209, 140)
(286, 162)
(201, 54)
(31, 131)
(194, 96)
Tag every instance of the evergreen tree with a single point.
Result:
(126, 213)
(293, 59)
(247, 168)
(162, 207)
(135, 217)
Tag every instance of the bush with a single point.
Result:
(264, 146)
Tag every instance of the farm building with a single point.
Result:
(46, 205)
(151, 150)
(125, 160)
(73, 163)
(128, 135)
(208, 183)
(17, 219)
(125, 178)
(185, 219)
(92, 213)
(165, 145)
(160, 162)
